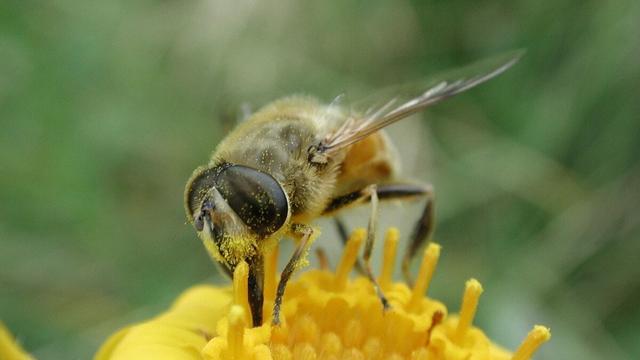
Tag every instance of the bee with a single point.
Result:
(297, 159)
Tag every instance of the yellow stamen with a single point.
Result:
(330, 344)
(472, 292)
(353, 333)
(349, 258)
(353, 354)
(436, 319)
(270, 279)
(281, 352)
(373, 349)
(395, 357)
(421, 354)
(279, 334)
(427, 267)
(304, 351)
(305, 329)
(240, 288)
(536, 337)
(325, 316)
(389, 258)
(235, 335)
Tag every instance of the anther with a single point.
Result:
(235, 334)
(330, 344)
(281, 352)
(536, 337)
(349, 257)
(427, 267)
(241, 288)
(436, 319)
(270, 280)
(270, 273)
(472, 292)
(389, 258)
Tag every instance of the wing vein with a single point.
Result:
(359, 125)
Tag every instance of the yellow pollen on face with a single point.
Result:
(329, 316)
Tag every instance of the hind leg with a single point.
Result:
(423, 229)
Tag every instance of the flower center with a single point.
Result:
(325, 315)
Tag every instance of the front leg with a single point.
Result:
(304, 233)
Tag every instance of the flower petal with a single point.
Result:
(180, 333)
(9, 348)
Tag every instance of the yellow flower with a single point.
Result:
(325, 315)
(9, 348)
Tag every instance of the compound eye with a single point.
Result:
(256, 197)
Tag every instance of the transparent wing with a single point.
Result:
(395, 103)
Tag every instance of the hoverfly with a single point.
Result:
(298, 159)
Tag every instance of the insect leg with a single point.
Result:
(224, 269)
(422, 232)
(369, 193)
(323, 259)
(424, 226)
(371, 237)
(342, 229)
(304, 232)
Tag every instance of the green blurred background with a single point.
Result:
(107, 106)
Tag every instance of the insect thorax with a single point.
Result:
(277, 143)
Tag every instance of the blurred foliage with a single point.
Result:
(107, 106)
